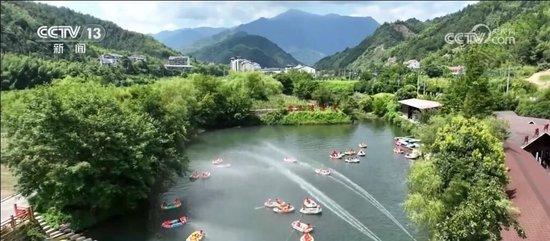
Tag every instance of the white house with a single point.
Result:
(304, 68)
(178, 62)
(109, 59)
(135, 58)
(412, 64)
(242, 65)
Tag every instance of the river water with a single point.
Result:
(360, 201)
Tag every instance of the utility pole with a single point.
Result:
(508, 80)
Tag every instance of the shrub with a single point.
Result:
(315, 117)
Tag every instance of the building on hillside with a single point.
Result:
(456, 70)
(136, 58)
(413, 108)
(272, 70)
(527, 152)
(412, 64)
(179, 61)
(303, 68)
(109, 59)
(243, 65)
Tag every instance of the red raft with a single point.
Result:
(174, 223)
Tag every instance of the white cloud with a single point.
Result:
(391, 11)
(153, 17)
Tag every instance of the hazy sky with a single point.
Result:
(153, 17)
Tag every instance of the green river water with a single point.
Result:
(360, 201)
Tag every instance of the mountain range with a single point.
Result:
(526, 23)
(181, 38)
(307, 37)
(20, 20)
(243, 45)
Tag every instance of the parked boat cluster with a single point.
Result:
(351, 155)
(407, 146)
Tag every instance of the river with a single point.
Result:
(360, 201)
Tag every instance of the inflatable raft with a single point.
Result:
(350, 152)
(196, 236)
(270, 204)
(307, 237)
(322, 171)
(217, 161)
(352, 160)
(309, 203)
(285, 209)
(175, 204)
(363, 145)
(315, 210)
(337, 155)
(361, 153)
(204, 175)
(302, 227)
(174, 223)
(289, 160)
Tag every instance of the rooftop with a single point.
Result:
(528, 185)
(521, 126)
(421, 104)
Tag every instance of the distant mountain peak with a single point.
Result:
(294, 13)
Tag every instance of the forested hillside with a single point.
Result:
(252, 47)
(385, 37)
(525, 22)
(20, 20)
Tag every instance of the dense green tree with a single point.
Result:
(406, 92)
(457, 191)
(88, 174)
(471, 94)
(286, 81)
(255, 84)
(304, 88)
(536, 107)
(323, 95)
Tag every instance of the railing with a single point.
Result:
(22, 215)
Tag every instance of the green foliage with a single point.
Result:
(536, 107)
(273, 118)
(84, 176)
(255, 84)
(76, 171)
(383, 103)
(304, 88)
(280, 101)
(286, 81)
(407, 92)
(458, 191)
(471, 94)
(323, 95)
(365, 103)
(413, 39)
(315, 117)
(33, 232)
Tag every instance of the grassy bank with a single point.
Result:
(306, 117)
